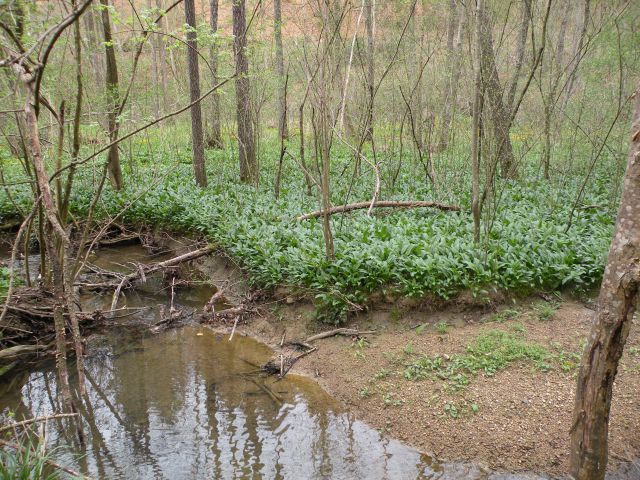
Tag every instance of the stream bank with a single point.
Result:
(515, 420)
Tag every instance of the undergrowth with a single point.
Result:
(26, 462)
(414, 253)
(489, 353)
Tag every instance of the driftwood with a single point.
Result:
(349, 332)
(11, 353)
(144, 270)
(381, 204)
(119, 239)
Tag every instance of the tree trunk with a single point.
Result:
(197, 141)
(91, 38)
(455, 60)
(556, 74)
(369, 25)
(162, 61)
(500, 116)
(113, 98)
(246, 140)
(522, 43)
(617, 303)
(283, 130)
(475, 134)
(214, 134)
(578, 54)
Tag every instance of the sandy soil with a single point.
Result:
(515, 421)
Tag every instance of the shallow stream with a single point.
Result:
(189, 404)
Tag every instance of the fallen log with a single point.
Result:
(381, 204)
(349, 332)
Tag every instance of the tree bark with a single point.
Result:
(197, 140)
(369, 25)
(522, 43)
(283, 130)
(162, 61)
(475, 134)
(456, 25)
(246, 140)
(617, 303)
(113, 98)
(214, 134)
(500, 116)
(556, 75)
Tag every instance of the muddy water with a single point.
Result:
(185, 404)
(189, 404)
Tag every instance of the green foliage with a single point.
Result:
(29, 462)
(4, 281)
(545, 310)
(489, 353)
(414, 253)
(442, 327)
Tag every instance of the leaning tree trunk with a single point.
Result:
(214, 134)
(283, 130)
(197, 140)
(113, 98)
(246, 140)
(617, 303)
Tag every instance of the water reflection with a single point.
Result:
(177, 406)
(188, 404)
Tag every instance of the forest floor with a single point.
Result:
(512, 414)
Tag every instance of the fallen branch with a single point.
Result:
(36, 420)
(381, 204)
(119, 239)
(145, 270)
(348, 332)
(17, 350)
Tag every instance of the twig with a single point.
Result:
(339, 331)
(235, 324)
(36, 420)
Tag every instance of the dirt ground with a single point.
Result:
(516, 420)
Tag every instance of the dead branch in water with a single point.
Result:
(36, 420)
(16, 351)
(348, 332)
(381, 204)
(143, 271)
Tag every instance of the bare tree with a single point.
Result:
(214, 134)
(283, 130)
(617, 304)
(197, 140)
(113, 97)
(246, 140)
